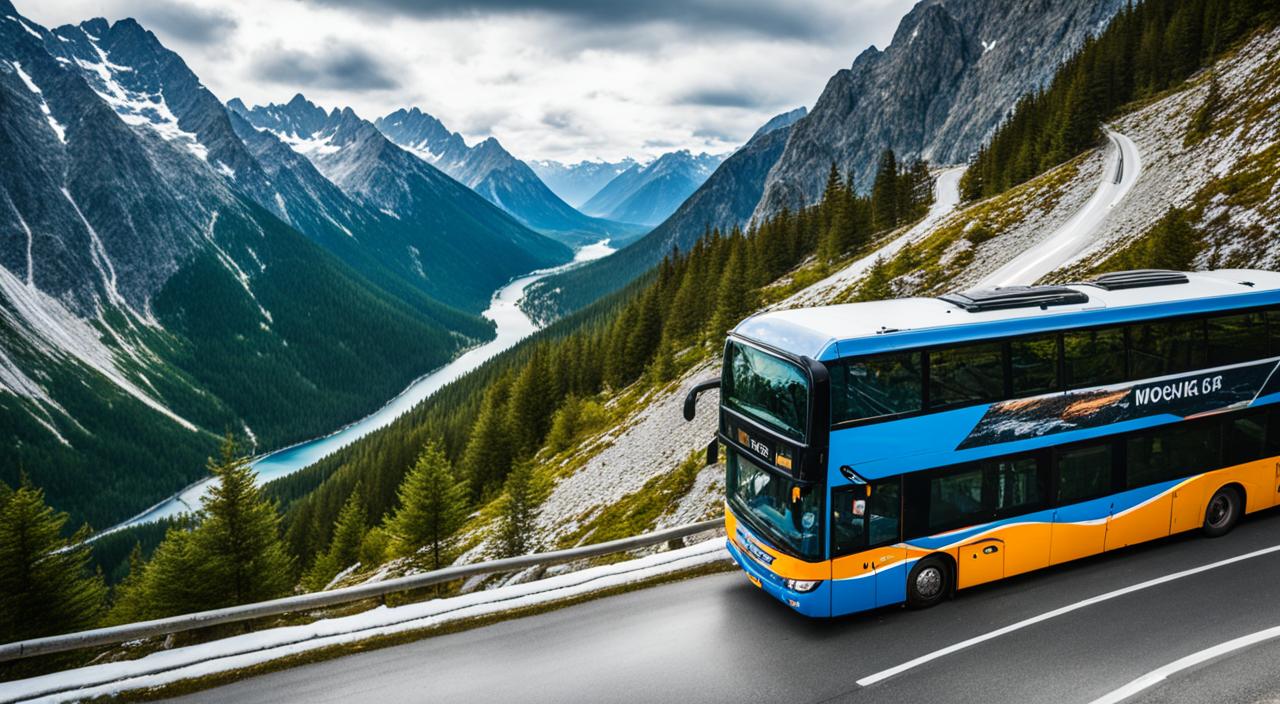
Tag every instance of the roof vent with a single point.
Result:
(1139, 278)
(1006, 297)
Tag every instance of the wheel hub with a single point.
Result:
(929, 582)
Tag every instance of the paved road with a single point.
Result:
(1124, 165)
(718, 638)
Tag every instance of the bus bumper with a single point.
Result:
(816, 603)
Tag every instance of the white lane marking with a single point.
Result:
(930, 657)
(1157, 676)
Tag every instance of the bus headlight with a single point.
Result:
(803, 585)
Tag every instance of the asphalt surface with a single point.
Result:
(720, 639)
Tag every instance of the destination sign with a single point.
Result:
(764, 448)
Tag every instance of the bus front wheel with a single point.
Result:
(1223, 511)
(928, 583)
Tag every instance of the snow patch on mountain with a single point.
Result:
(57, 127)
(137, 108)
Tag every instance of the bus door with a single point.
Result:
(869, 560)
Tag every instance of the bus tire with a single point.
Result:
(928, 583)
(1223, 512)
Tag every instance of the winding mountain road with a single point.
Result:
(946, 197)
(1124, 166)
(1081, 632)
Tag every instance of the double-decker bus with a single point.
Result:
(896, 451)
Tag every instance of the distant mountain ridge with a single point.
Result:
(650, 193)
(576, 183)
(445, 225)
(502, 179)
(726, 200)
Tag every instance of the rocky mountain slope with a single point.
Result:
(443, 223)
(648, 194)
(576, 183)
(147, 304)
(490, 170)
(951, 73)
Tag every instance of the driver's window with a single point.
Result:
(848, 519)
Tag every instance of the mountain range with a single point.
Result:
(650, 193)
(502, 179)
(171, 273)
(576, 183)
(953, 70)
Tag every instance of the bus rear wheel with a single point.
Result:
(928, 583)
(1223, 512)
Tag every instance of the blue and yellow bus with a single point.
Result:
(897, 451)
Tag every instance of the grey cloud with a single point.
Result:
(792, 20)
(335, 65)
(559, 119)
(711, 133)
(178, 20)
(724, 97)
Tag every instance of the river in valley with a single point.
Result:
(512, 326)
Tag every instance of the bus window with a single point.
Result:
(848, 519)
(1273, 332)
(1034, 365)
(1093, 357)
(1172, 452)
(968, 374)
(1157, 349)
(877, 386)
(1246, 440)
(1237, 338)
(1017, 485)
(767, 388)
(956, 498)
(884, 509)
(1084, 473)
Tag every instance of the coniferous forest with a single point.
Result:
(1148, 48)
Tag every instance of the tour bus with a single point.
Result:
(897, 451)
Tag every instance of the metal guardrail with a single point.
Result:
(247, 612)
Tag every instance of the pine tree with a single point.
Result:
(733, 299)
(344, 549)
(233, 555)
(1173, 242)
(433, 506)
(518, 513)
(238, 539)
(884, 194)
(1202, 122)
(487, 458)
(45, 583)
(129, 600)
(877, 284)
(564, 424)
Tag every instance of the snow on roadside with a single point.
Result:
(242, 651)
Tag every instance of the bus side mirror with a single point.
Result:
(691, 401)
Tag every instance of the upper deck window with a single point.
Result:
(767, 388)
(883, 385)
(967, 374)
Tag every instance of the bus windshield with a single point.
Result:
(774, 508)
(768, 389)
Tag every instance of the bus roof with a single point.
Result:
(831, 332)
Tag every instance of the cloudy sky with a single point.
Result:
(551, 79)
